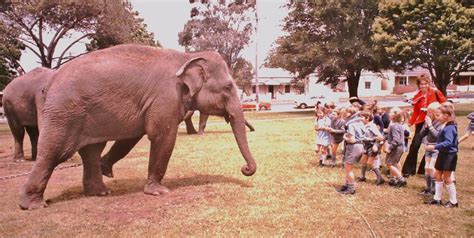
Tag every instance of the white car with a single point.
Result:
(310, 101)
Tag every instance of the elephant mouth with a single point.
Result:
(226, 117)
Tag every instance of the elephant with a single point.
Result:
(202, 123)
(22, 102)
(125, 92)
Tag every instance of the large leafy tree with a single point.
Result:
(436, 35)
(50, 29)
(331, 37)
(10, 51)
(225, 29)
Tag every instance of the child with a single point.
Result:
(353, 148)
(321, 126)
(394, 147)
(337, 132)
(371, 140)
(470, 127)
(447, 144)
(430, 131)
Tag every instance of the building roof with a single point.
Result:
(273, 76)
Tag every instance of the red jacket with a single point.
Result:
(420, 101)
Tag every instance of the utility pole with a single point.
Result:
(256, 54)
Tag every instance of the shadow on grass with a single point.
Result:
(128, 186)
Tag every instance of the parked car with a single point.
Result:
(251, 105)
(310, 101)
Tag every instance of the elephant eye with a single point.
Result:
(228, 88)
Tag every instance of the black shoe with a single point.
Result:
(379, 182)
(349, 191)
(401, 183)
(451, 205)
(392, 182)
(342, 188)
(434, 202)
(425, 192)
(321, 163)
(406, 175)
(361, 179)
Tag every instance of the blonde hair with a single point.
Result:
(434, 106)
(398, 114)
(448, 109)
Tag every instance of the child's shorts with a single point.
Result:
(369, 148)
(353, 153)
(432, 154)
(395, 155)
(446, 161)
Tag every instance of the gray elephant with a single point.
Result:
(125, 92)
(22, 100)
(202, 123)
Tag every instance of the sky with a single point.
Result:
(165, 18)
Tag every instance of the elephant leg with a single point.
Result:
(34, 134)
(189, 123)
(118, 151)
(202, 122)
(92, 179)
(160, 152)
(18, 136)
(249, 125)
(31, 194)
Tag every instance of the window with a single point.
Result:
(402, 80)
(254, 89)
(367, 85)
(287, 88)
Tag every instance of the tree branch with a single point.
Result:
(69, 59)
(69, 47)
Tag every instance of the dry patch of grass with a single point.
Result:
(287, 196)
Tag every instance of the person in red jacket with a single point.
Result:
(421, 100)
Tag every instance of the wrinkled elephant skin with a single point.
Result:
(125, 92)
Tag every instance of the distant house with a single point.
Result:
(274, 84)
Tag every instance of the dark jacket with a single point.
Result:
(448, 139)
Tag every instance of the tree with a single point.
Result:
(436, 35)
(332, 38)
(44, 24)
(10, 52)
(225, 29)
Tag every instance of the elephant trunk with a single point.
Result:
(237, 122)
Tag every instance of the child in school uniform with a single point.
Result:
(429, 132)
(321, 126)
(470, 127)
(337, 132)
(353, 148)
(371, 140)
(447, 145)
(394, 147)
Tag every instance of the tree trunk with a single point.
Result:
(442, 79)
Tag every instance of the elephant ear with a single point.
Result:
(193, 82)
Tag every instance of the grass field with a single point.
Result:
(288, 196)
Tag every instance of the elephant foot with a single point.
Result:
(156, 189)
(191, 132)
(98, 190)
(32, 202)
(201, 133)
(107, 170)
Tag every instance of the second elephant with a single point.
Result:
(202, 123)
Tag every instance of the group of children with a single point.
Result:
(365, 131)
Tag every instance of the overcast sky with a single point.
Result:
(165, 18)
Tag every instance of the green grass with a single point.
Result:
(288, 196)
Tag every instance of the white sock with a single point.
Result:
(452, 177)
(377, 163)
(438, 190)
(452, 193)
(323, 158)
